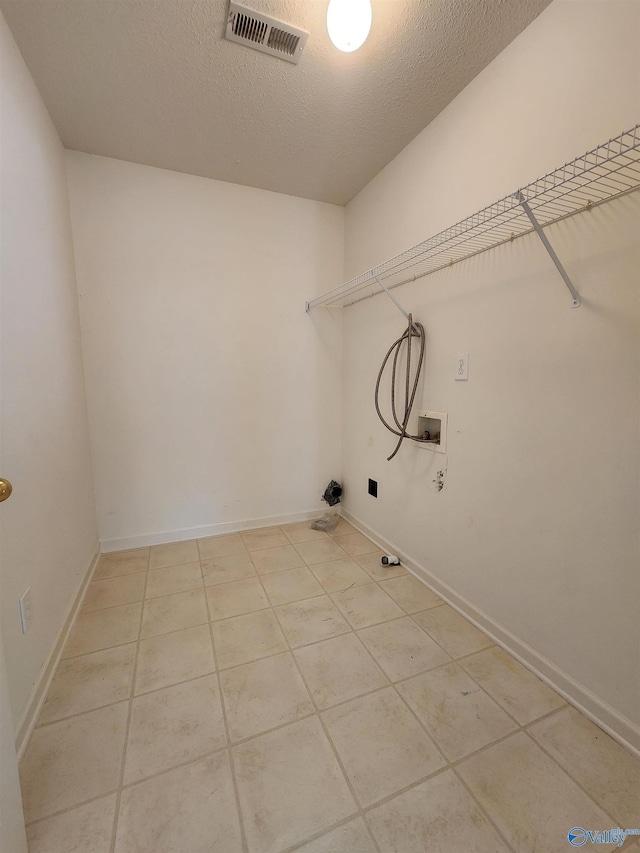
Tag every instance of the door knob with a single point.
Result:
(5, 489)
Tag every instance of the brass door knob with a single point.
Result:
(5, 489)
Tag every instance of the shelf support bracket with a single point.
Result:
(394, 300)
(575, 296)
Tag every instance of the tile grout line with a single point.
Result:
(244, 740)
(524, 729)
(132, 688)
(291, 651)
(483, 811)
(116, 814)
(392, 684)
(43, 725)
(506, 710)
(291, 655)
(317, 835)
(95, 799)
(132, 642)
(82, 713)
(94, 579)
(564, 770)
(115, 568)
(91, 710)
(116, 790)
(136, 695)
(366, 810)
(448, 763)
(150, 597)
(103, 648)
(353, 630)
(462, 658)
(313, 703)
(465, 656)
(213, 559)
(326, 734)
(520, 727)
(451, 765)
(232, 768)
(129, 785)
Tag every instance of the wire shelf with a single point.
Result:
(606, 172)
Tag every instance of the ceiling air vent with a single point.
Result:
(265, 34)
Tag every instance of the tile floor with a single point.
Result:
(280, 690)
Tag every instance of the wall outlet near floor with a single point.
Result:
(25, 609)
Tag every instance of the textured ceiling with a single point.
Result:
(155, 82)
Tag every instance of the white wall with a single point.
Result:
(214, 400)
(537, 527)
(48, 525)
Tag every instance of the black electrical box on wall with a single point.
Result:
(373, 488)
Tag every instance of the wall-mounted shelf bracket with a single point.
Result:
(395, 302)
(575, 296)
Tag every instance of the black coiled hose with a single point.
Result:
(413, 330)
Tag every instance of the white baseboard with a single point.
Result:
(623, 730)
(144, 539)
(41, 687)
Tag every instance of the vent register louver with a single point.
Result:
(265, 34)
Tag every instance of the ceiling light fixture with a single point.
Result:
(348, 23)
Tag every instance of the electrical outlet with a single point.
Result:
(25, 609)
(462, 366)
(373, 488)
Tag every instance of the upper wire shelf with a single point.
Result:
(608, 171)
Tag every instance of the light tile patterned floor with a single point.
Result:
(281, 690)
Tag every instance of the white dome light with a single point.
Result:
(348, 23)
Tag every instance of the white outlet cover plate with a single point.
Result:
(462, 366)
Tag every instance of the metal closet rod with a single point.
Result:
(608, 171)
